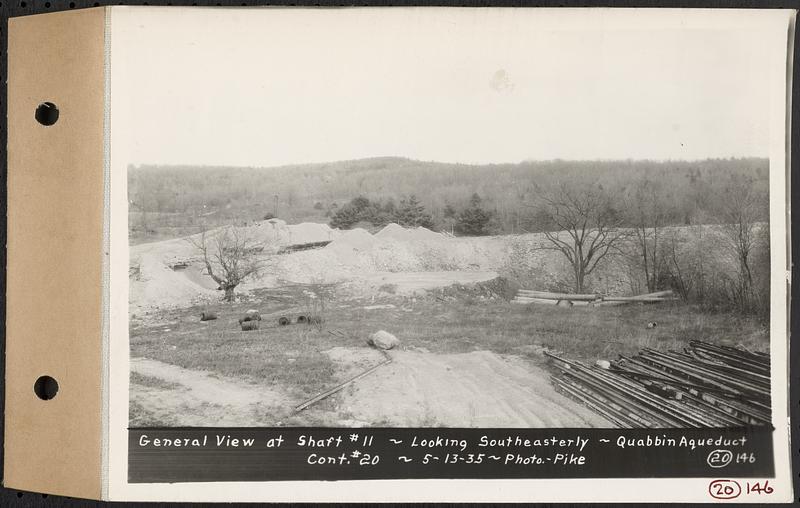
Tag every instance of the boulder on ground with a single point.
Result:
(383, 340)
(250, 315)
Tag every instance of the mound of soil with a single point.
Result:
(399, 233)
(354, 240)
(478, 389)
(157, 285)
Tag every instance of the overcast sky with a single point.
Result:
(275, 86)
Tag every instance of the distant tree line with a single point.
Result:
(175, 199)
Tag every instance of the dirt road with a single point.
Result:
(418, 389)
(477, 389)
(195, 398)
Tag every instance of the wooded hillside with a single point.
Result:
(177, 200)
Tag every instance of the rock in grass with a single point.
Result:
(383, 340)
(250, 315)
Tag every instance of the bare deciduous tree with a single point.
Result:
(685, 262)
(743, 211)
(582, 224)
(647, 212)
(230, 256)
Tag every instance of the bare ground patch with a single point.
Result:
(196, 398)
(477, 389)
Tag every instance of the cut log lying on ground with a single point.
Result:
(208, 315)
(249, 325)
(658, 296)
(659, 389)
(525, 296)
(640, 299)
(556, 296)
(604, 303)
(534, 300)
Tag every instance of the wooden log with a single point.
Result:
(640, 299)
(555, 296)
(527, 300)
(249, 325)
(208, 315)
(668, 292)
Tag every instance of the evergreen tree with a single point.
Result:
(346, 217)
(411, 213)
(473, 220)
(360, 203)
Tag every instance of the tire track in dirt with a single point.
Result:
(477, 389)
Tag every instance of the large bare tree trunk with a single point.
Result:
(229, 294)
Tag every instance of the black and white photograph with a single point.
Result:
(437, 223)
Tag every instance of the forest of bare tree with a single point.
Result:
(173, 201)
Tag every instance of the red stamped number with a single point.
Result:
(759, 488)
(730, 489)
(724, 489)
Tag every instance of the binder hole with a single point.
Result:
(45, 388)
(46, 113)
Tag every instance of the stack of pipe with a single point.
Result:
(703, 386)
(525, 296)
(548, 298)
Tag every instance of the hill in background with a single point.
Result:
(173, 201)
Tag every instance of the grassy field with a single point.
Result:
(293, 358)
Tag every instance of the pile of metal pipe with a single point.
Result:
(526, 296)
(704, 385)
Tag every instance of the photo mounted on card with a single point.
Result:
(446, 254)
